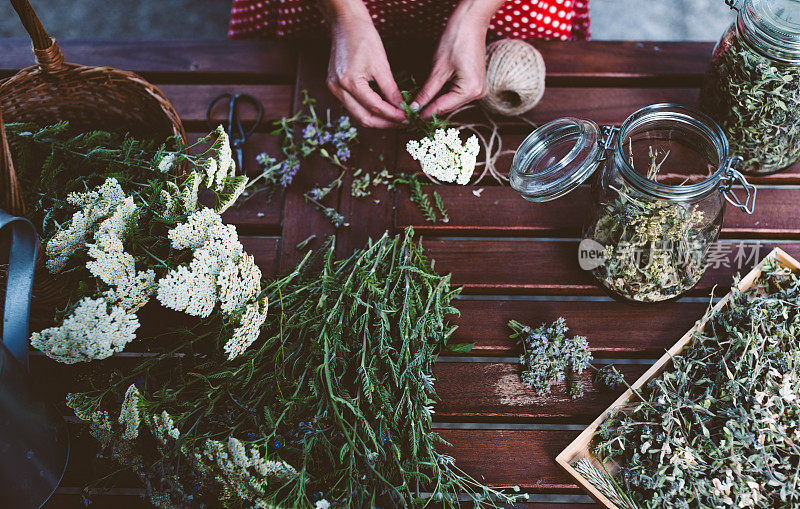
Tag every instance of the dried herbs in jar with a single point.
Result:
(654, 249)
(752, 87)
(660, 185)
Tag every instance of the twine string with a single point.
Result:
(515, 75)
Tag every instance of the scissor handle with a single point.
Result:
(233, 117)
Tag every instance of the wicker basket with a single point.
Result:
(96, 98)
(87, 97)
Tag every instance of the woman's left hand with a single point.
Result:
(460, 60)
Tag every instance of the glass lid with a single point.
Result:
(782, 16)
(774, 26)
(556, 158)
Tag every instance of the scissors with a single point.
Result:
(236, 132)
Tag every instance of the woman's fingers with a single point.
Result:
(374, 103)
(432, 86)
(459, 95)
(361, 114)
(388, 86)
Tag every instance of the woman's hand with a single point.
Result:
(460, 59)
(357, 58)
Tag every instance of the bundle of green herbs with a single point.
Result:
(756, 100)
(331, 407)
(654, 249)
(721, 427)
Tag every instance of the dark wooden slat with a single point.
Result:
(369, 216)
(300, 219)
(191, 101)
(481, 391)
(602, 105)
(679, 63)
(551, 266)
(174, 61)
(468, 391)
(659, 64)
(613, 329)
(70, 498)
(501, 210)
(511, 457)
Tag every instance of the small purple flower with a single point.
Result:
(385, 439)
(317, 194)
(344, 123)
(288, 170)
(343, 153)
(265, 159)
(309, 132)
(324, 137)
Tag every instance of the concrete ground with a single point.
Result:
(208, 19)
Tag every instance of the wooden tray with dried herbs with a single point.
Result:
(715, 421)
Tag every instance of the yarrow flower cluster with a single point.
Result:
(163, 427)
(220, 272)
(103, 323)
(549, 356)
(129, 414)
(444, 157)
(247, 476)
(95, 205)
(99, 327)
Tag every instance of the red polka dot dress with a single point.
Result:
(517, 19)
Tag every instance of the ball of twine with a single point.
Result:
(514, 77)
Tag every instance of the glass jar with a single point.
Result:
(752, 86)
(661, 183)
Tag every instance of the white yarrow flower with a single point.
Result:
(95, 205)
(129, 414)
(248, 330)
(238, 453)
(444, 157)
(94, 330)
(219, 272)
(167, 162)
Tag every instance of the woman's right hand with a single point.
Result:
(358, 57)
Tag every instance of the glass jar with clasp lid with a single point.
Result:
(752, 86)
(660, 185)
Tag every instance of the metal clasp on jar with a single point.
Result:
(609, 133)
(731, 177)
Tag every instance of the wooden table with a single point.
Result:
(514, 259)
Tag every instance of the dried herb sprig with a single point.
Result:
(721, 427)
(422, 200)
(608, 376)
(335, 396)
(549, 356)
(604, 483)
(654, 249)
(756, 100)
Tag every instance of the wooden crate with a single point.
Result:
(580, 447)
